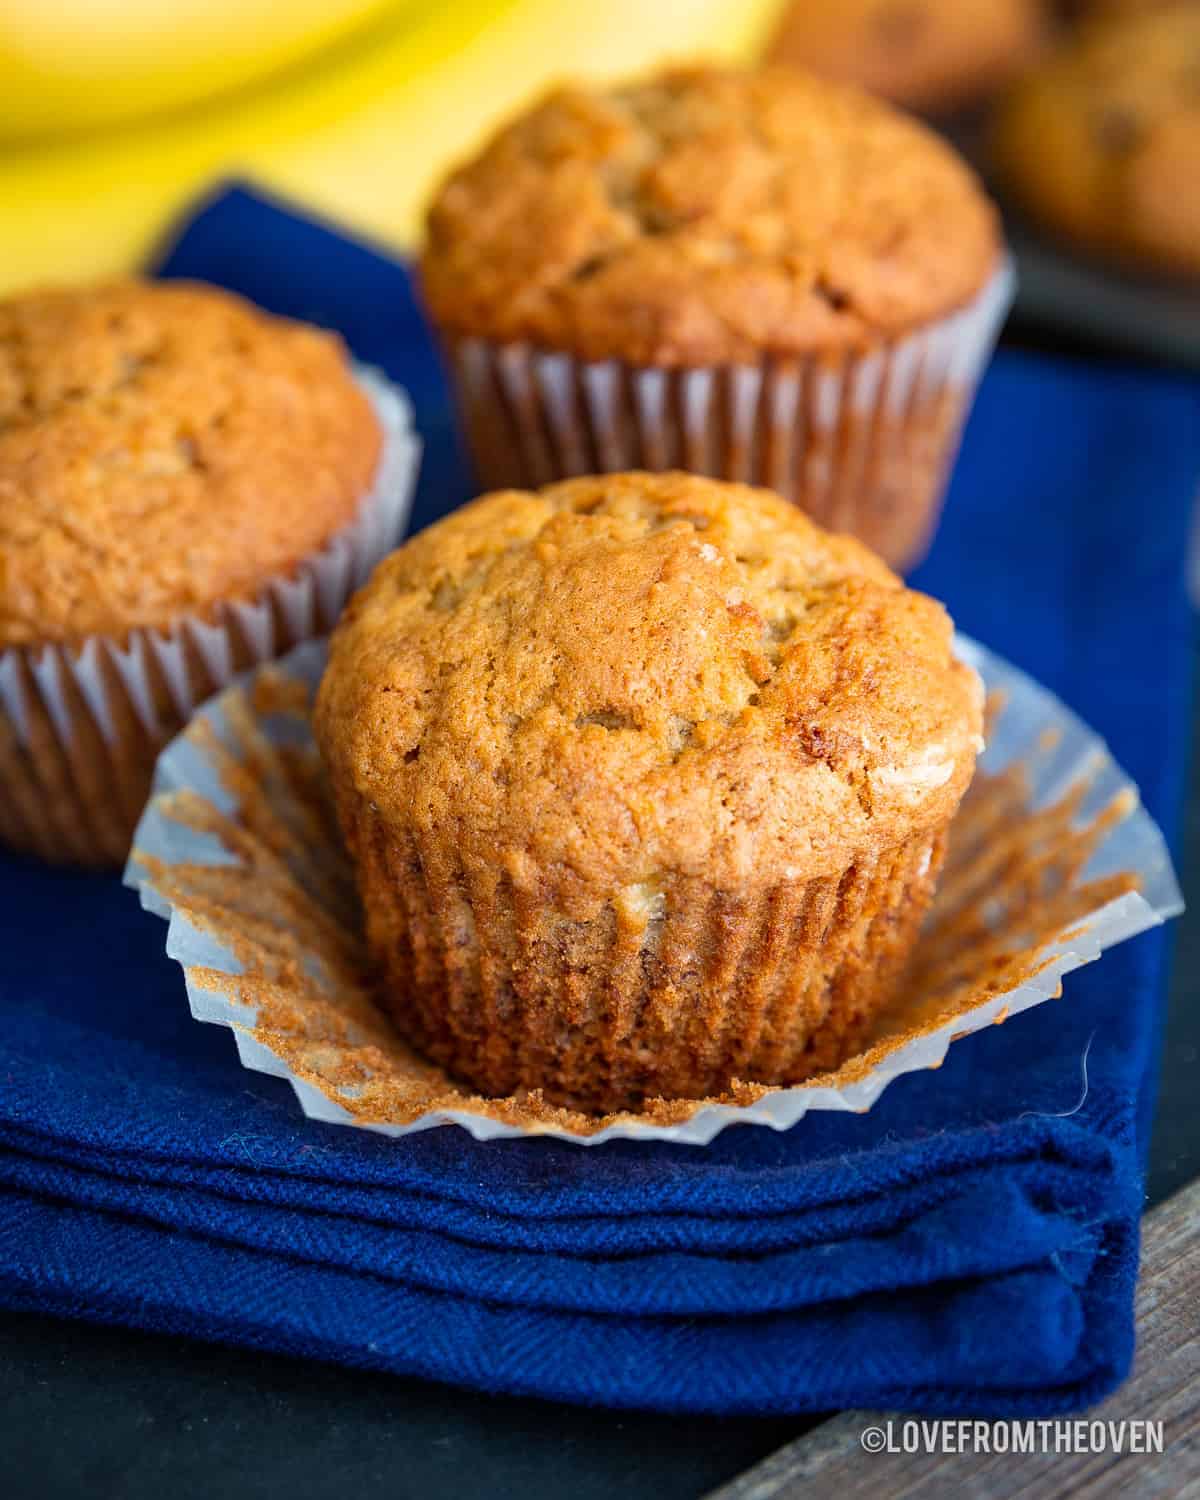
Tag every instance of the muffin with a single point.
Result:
(1103, 144)
(934, 56)
(646, 782)
(186, 486)
(763, 277)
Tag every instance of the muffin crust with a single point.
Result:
(164, 448)
(707, 216)
(620, 676)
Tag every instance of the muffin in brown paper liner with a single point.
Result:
(1051, 861)
(762, 277)
(645, 780)
(98, 670)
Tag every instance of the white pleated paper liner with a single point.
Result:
(861, 442)
(80, 725)
(1047, 785)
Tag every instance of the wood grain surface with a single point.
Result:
(1164, 1387)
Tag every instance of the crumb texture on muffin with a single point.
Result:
(1103, 143)
(707, 216)
(164, 448)
(618, 677)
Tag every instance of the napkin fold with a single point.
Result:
(969, 1245)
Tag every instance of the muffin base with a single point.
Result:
(81, 726)
(71, 791)
(863, 444)
(512, 996)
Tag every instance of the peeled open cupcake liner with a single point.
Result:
(862, 443)
(75, 721)
(1055, 749)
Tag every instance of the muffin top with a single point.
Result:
(616, 678)
(164, 447)
(704, 217)
(1103, 143)
(933, 55)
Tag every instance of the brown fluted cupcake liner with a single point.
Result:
(81, 726)
(1050, 862)
(672, 994)
(863, 443)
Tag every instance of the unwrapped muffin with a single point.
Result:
(646, 781)
(760, 276)
(187, 485)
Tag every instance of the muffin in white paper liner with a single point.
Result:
(81, 725)
(863, 443)
(1052, 861)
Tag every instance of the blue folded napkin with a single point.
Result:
(969, 1245)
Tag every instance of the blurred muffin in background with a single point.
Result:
(762, 276)
(1103, 143)
(933, 56)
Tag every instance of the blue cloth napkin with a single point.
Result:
(969, 1245)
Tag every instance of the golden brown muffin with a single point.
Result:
(166, 451)
(646, 781)
(707, 217)
(164, 447)
(1103, 144)
(935, 56)
(739, 274)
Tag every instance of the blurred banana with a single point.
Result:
(69, 65)
(359, 131)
